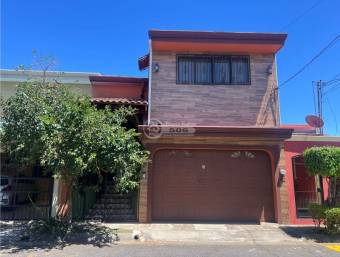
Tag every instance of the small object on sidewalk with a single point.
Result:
(136, 234)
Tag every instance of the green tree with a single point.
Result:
(324, 161)
(47, 123)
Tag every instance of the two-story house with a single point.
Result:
(209, 115)
(213, 128)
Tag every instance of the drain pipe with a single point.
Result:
(277, 96)
(149, 84)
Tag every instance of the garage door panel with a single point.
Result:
(211, 185)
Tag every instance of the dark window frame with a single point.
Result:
(212, 57)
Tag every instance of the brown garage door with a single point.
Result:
(212, 185)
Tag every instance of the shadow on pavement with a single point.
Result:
(14, 237)
(310, 233)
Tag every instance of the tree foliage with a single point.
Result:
(47, 123)
(324, 161)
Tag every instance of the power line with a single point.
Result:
(335, 87)
(301, 15)
(329, 45)
(335, 77)
(331, 82)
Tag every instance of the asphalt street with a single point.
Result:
(194, 250)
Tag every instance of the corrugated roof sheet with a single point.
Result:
(127, 101)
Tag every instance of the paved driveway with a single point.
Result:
(207, 233)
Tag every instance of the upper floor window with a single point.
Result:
(202, 69)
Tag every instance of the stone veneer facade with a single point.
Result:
(215, 105)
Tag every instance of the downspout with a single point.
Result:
(277, 92)
(149, 84)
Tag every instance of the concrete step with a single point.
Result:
(110, 187)
(112, 191)
(111, 218)
(111, 206)
(114, 196)
(111, 212)
(114, 201)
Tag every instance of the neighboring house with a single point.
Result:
(121, 91)
(304, 189)
(40, 184)
(78, 81)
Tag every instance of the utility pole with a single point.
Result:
(319, 95)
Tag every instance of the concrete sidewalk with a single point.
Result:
(209, 233)
(116, 239)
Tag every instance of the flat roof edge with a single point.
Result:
(314, 138)
(120, 79)
(239, 37)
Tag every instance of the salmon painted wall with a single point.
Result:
(292, 149)
(117, 90)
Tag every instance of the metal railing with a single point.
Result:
(304, 198)
(302, 201)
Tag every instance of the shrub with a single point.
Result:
(53, 228)
(333, 220)
(318, 213)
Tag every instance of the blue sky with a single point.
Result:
(109, 36)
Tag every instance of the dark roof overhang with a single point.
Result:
(118, 79)
(234, 134)
(218, 37)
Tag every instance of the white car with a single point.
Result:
(16, 190)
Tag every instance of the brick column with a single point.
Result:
(283, 189)
(143, 201)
